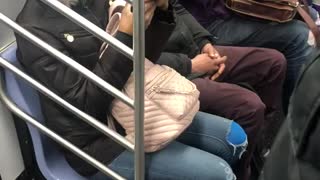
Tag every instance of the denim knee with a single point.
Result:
(210, 170)
(222, 171)
(296, 32)
(237, 138)
(297, 35)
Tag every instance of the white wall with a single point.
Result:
(9, 8)
(11, 164)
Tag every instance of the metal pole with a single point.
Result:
(67, 60)
(87, 118)
(56, 137)
(139, 57)
(89, 26)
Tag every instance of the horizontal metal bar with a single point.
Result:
(67, 60)
(85, 117)
(89, 26)
(13, 108)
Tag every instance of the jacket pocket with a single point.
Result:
(80, 42)
(73, 35)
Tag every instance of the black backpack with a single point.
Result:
(295, 154)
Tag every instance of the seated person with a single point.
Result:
(192, 155)
(230, 29)
(190, 51)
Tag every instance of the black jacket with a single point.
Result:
(185, 43)
(114, 68)
(296, 152)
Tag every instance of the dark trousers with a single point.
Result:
(288, 38)
(264, 70)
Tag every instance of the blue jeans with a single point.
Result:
(289, 38)
(204, 151)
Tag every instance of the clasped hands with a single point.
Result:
(209, 61)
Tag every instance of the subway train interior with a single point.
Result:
(28, 147)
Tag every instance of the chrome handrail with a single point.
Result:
(16, 110)
(85, 117)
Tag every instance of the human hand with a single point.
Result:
(210, 50)
(219, 72)
(126, 21)
(213, 53)
(203, 63)
(162, 4)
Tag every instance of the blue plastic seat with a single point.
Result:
(51, 161)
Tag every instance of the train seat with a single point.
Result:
(50, 160)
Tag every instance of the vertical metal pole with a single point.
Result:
(139, 56)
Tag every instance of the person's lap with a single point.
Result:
(176, 162)
(264, 70)
(250, 32)
(196, 154)
(289, 38)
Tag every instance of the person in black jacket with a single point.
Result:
(191, 156)
(295, 154)
(217, 70)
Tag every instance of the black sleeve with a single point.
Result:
(71, 85)
(179, 62)
(200, 35)
(158, 32)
